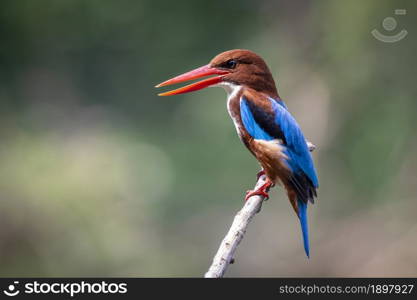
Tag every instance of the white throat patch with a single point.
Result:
(232, 90)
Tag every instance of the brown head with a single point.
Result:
(237, 67)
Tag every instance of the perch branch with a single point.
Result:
(225, 253)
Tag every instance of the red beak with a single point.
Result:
(194, 74)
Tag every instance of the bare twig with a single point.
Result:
(232, 239)
(226, 251)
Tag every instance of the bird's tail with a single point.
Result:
(302, 215)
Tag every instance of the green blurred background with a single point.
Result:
(100, 177)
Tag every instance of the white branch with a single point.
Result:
(226, 252)
(232, 239)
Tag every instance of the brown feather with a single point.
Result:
(251, 71)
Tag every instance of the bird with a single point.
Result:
(264, 125)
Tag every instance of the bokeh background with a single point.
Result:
(100, 177)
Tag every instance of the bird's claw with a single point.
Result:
(251, 193)
(263, 191)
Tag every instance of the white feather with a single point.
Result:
(232, 90)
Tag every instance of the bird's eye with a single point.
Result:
(231, 64)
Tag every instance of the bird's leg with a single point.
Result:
(263, 190)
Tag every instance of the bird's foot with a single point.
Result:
(263, 190)
(259, 174)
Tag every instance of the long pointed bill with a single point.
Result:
(194, 74)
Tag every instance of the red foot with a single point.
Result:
(263, 190)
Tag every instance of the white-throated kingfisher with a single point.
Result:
(263, 123)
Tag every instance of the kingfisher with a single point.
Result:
(264, 125)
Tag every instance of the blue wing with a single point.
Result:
(297, 149)
(280, 124)
(251, 124)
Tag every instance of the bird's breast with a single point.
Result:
(233, 107)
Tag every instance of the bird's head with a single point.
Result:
(231, 68)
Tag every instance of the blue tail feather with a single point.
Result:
(302, 214)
